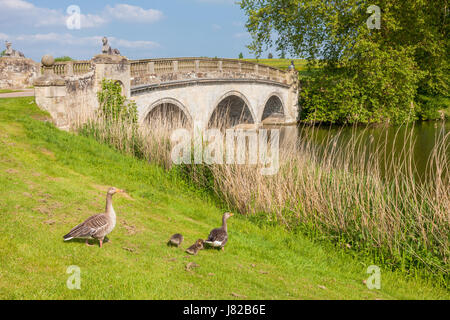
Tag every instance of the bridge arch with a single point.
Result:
(234, 107)
(168, 109)
(273, 105)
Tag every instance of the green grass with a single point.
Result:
(8, 91)
(300, 65)
(63, 58)
(51, 180)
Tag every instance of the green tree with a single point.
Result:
(363, 74)
(2, 53)
(241, 55)
(270, 56)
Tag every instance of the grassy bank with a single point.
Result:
(51, 180)
(300, 64)
(8, 91)
(339, 192)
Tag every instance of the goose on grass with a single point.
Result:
(218, 237)
(97, 226)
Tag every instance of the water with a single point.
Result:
(412, 144)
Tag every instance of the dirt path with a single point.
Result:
(22, 93)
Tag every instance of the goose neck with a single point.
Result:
(224, 224)
(109, 206)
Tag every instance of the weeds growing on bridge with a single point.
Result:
(338, 193)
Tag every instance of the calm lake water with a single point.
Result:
(413, 142)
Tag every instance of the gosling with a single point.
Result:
(196, 247)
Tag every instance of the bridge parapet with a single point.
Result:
(70, 68)
(197, 86)
(156, 71)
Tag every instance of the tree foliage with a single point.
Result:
(363, 75)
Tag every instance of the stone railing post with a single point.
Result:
(113, 67)
(294, 87)
(49, 91)
(151, 67)
(70, 68)
(221, 66)
(197, 65)
(175, 66)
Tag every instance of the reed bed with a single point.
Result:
(340, 191)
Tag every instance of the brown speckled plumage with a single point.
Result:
(97, 226)
(198, 245)
(175, 240)
(219, 237)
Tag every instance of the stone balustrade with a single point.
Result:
(68, 90)
(71, 68)
(154, 71)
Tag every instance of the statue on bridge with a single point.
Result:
(291, 66)
(106, 49)
(10, 52)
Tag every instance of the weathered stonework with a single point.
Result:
(195, 85)
(70, 98)
(113, 67)
(17, 73)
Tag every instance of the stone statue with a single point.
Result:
(292, 66)
(106, 49)
(10, 52)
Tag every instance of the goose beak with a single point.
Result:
(120, 191)
(231, 214)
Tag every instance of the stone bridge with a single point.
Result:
(200, 90)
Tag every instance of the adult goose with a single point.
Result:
(99, 225)
(218, 237)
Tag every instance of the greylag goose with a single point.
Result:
(175, 240)
(99, 225)
(218, 237)
(198, 245)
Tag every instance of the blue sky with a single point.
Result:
(139, 29)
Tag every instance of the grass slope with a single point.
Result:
(8, 91)
(300, 64)
(51, 180)
(283, 64)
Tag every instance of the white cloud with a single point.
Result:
(241, 35)
(129, 13)
(216, 27)
(66, 44)
(218, 1)
(142, 44)
(68, 39)
(23, 13)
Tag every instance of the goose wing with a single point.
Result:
(89, 227)
(218, 236)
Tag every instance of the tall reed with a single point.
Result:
(356, 193)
